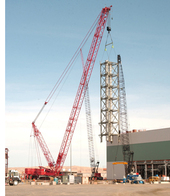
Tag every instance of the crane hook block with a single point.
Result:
(108, 28)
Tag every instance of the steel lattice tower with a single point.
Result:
(109, 100)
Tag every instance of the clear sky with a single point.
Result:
(40, 39)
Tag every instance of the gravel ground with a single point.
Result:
(91, 189)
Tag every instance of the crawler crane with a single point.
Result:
(55, 167)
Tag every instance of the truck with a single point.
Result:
(12, 178)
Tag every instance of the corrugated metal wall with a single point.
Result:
(142, 151)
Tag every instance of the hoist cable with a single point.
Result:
(29, 152)
(54, 100)
(68, 66)
(38, 152)
(71, 61)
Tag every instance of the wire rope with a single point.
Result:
(71, 61)
(29, 152)
(112, 48)
(56, 96)
(68, 66)
(38, 152)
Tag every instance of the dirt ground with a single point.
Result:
(91, 189)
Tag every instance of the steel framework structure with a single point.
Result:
(109, 100)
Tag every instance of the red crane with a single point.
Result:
(87, 71)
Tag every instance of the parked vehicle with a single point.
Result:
(153, 179)
(13, 178)
(135, 178)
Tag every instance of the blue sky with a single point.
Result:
(40, 39)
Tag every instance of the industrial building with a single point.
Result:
(151, 153)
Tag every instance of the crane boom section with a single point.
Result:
(89, 123)
(82, 89)
(89, 130)
(43, 146)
